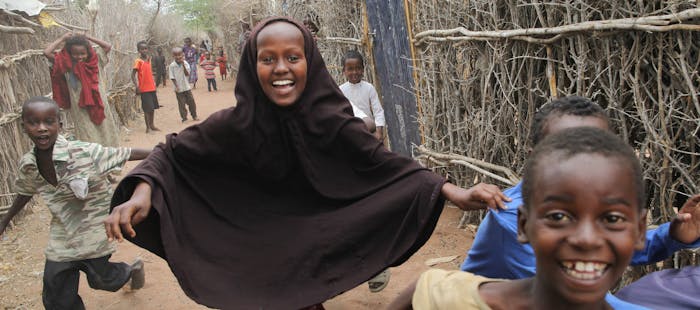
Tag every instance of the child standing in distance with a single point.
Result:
(221, 60)
(584, 216)
(178, 71)
(288, 183)
(209, 65)
(191, 57)
(145, 86)
(361, 93)
(71, 177)
(75, 82)
(159, 65)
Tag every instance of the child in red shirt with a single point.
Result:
(145, 86)
(209, 65)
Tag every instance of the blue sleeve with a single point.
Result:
(659, 246)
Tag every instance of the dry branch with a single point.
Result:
(472, 163)
(16, 30)
(20, 18)
(658, 23)
(11, 59)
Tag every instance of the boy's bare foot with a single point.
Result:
(138, 275)
(148, 130)
(155, 129)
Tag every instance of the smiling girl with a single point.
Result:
(286, 200)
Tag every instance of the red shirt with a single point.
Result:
(145, 75)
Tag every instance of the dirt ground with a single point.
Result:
(22, 258)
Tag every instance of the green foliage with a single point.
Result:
(199, 15)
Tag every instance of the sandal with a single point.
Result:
(379, 282)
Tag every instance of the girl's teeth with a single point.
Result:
(282, 83)
(584, 270)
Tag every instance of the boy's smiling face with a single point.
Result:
(281, 63)
(179, 57)
(41, 123)
(353, 70)
(584, 223)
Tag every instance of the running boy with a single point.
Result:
(71, 177)
(209, 65)
(145, 85)
(362, 94)
(179, 71)
(584, 216)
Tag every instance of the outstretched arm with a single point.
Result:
(104, 45)
(129, 213)
(18, 204)
(478, 197)
(139, 154)
(48, 51)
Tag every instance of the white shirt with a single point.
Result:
(358, 113)
(365, 98)
(176, 73)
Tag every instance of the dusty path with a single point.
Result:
(22, 258)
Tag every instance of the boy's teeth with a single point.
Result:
(584, 270)
(282, 82)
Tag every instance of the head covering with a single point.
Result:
(262, 206)
(87, 72)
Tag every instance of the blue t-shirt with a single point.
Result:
(496, 252)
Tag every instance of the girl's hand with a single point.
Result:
(478, 197)
(67, 35)
(130, 213)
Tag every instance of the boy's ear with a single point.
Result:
(522, 222)
(640, 244)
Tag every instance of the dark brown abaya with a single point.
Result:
(262, 207)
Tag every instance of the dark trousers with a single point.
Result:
(61, 280)
(211, 82)
(185, 98)
(160, 77)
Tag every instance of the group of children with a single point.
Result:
(291, 185)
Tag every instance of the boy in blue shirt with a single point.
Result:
(496, 252)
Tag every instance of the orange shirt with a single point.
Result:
(145, 75)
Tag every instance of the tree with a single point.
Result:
(199, 15)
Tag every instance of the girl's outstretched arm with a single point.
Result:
(106, 47)
(129, 213)
(478, 197)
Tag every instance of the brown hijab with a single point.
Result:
(281, 208)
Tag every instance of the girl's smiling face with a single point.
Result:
(281, 63)
(584, 222)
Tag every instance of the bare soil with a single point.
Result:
(22, 258)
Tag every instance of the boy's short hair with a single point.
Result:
(570, 105)
(581, 140)
(353, 54)
(176, 50)
(77, 40)
(141, 43)
(38, 99)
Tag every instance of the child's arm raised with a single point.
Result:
(106, 47)
(131, 212)
(139, 154)
(48, 51)
(686, 226)
(478, 197)
(18, 204)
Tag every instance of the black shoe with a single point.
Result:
(138, 275)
